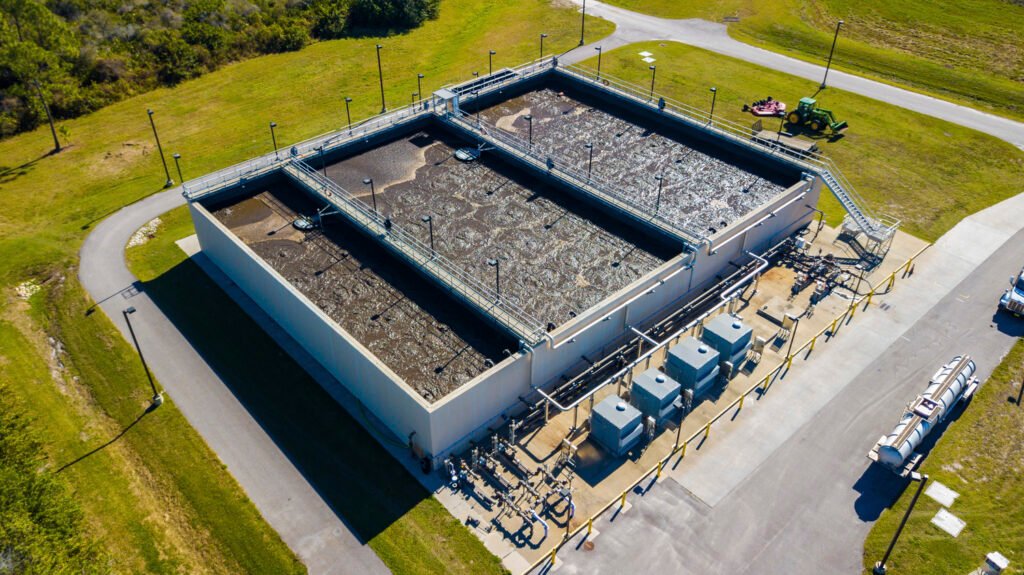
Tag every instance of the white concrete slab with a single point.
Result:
(939, 492)
(948, 522)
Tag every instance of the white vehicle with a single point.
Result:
(1013, 298)
(952, 384)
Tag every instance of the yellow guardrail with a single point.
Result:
(763, 384)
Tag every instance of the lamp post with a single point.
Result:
(583, 21)
(430, 226)
(273, 137)
(380, 75)
(348, 115)
(830, 52)
(160, 148)
(654, 71)
(177, 166)
(476, 101)
(778, 136)
(158, 399)
(494, 263)
(490, 62)
(590, 163)
(529, 121)
(542, 36)
(657, 201)
(323, 163)
(373, 192)
(921, 479)
(476, 74)
(419, 83)
(413, 102)
(598, 48)
(714, 96)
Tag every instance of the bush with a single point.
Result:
(393, 13)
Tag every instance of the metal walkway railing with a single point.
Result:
(877, 228)
(445, 273)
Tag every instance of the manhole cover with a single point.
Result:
(588, 545)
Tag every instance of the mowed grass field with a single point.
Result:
(969, 51)
(926, 172)
(981, 457)
(156, 498)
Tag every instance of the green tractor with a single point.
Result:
(817, 118)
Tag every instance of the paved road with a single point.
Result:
(786, 487)
(635, 27)
(284, 497)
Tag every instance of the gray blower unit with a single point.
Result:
(655, 395)
(953, 383)
(694, 364)
(616, 425)
(730, 336)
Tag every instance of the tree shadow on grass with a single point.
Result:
(365, 487)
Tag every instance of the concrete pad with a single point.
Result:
(189, 245)
(939, 492)
(948, 522)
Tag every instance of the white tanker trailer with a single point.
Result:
(952, 384)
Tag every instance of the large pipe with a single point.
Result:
(727, 294)
(544, 524)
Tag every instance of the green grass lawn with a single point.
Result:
(157, 499)
(981, 457)
(927, 172)
(402, 522)
(970, 52)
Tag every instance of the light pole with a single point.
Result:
(657, 201)
(160, 148)
(419, 83)
(590, 163)
(380, 75)
(323, 163)
(476, 100)
(373, 192)
(158, 399)
(598, 48)
(714, 96)
(414, 94)
(430, 226)
(542, 36)
(476, 75)
(273, 137)
(921, 479)
(654, 71)
(830, 52)
(494, 263)
(583, 21)
(348, 115)
(778, 136)
(490, 62)
(529, 121)
(177, 166)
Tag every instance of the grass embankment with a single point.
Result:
(156, 498)
(924, 171)
(980, 456)
(970, 52)
(409, 529)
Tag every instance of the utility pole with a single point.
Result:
(160, 148)
(830, 52)
(49, 116)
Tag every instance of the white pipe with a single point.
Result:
(544, 524)
(727, 294)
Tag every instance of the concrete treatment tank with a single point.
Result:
(953, 383)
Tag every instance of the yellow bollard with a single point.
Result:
(742, 397)
(553, 551)
(910, 262)
(590, 526)
(764, 383)
(707, 430)
(833, 329)
(814, 340)
(683, 454)
(853, 310)
(658, 474)
(622, 502)
(789, 362)
(892, 279)
(870, 294)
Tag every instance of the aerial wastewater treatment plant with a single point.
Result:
(454, 263)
